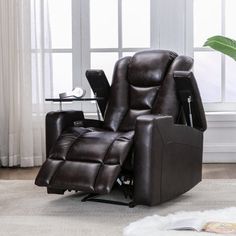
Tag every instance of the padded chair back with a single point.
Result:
(144, 84)
(100, 86)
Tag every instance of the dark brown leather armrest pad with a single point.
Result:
(57, 122)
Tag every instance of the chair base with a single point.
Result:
(125, 188)
(91, 197)
(55, 191)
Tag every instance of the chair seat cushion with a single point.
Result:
(86, 159)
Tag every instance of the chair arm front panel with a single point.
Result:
(92, 123)
(167, 161)
(57, 122)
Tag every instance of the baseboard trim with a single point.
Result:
(219, 157)
(220, 148)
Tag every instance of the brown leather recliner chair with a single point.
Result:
(144, 139)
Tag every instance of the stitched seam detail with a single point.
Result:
(72, 144)
(102, 164)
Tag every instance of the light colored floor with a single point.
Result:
(219, 171)
(210, 171)
(28, 210)
(18, 173)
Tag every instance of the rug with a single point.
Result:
(155, 225)
(26, 209)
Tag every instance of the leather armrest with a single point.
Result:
(167, 159)
(187, 87)
(57, 122)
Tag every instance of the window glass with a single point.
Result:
(136, 23)
(104, 23)
(207, 70)
(207, 20)
(230, 18)
(36, 61)
(104, 61)
(39, 91)
(36, 22)
(230, 79)
(128, 54)
(62, 73)
(60, 20)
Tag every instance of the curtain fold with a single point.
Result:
(22, 82)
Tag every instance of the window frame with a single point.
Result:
(222, 106)
(81, 49)
(75, 52)
(86, 50)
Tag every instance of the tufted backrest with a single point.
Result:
(144, 84)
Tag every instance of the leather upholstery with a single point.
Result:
(135, 87)
(134, 137)
(167, 159)
(54, 129)
(167, 102)
(81, 167)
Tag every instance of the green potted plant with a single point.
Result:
(222, 44)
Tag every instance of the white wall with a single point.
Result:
(220, 138)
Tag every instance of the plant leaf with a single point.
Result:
(222, 44)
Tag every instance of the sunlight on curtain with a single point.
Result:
(23, 72)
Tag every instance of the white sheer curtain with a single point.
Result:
(24, 68)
